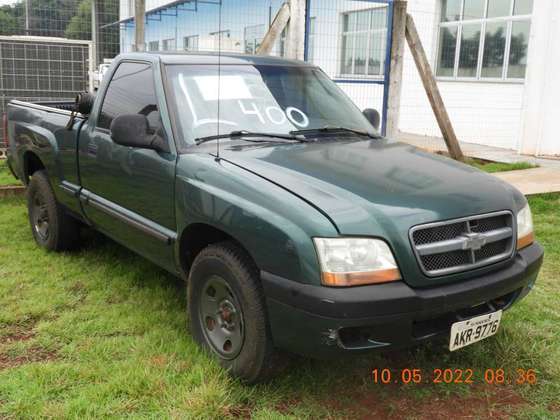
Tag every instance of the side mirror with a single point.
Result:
(373, 117)
(133, 130)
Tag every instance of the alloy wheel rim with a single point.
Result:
(221, 318)
(40, 217)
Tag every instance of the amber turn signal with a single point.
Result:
(360, 279)
(525, 241)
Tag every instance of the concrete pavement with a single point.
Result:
(533, 181)
(544, 179)
(495, 154)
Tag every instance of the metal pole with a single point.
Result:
(139, 25)
(307, 35)
(26, 17)
(94, 35)
(91, 69)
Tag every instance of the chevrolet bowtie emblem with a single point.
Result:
(473, 241)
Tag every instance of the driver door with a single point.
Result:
(129, 192)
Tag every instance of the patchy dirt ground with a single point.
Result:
(488, 402)
(32, 355)
(21, 332)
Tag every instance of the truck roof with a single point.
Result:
(227, 58)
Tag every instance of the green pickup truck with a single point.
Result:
(296, 225)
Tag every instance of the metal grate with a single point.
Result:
(439, 233)
(42, 69)
(447, 260)
(492, 223)
(496, 248)
(463, 244)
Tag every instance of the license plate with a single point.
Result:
(472, 330)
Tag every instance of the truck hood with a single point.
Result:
(377, 187)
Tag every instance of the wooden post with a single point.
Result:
(395, 75)
(278, 24)
(295, 40)
(139, 25)
(432, 90)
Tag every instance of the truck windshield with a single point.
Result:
(253, 98)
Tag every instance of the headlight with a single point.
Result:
(525, 234)
(355, 261)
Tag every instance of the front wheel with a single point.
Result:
(227, 312)
(52, 227)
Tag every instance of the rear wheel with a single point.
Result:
(52, 228)
(227, 312)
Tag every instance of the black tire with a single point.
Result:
(256, 359)
(52, 228)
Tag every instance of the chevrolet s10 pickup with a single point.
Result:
(295, 224)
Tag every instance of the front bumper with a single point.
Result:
(319, 321)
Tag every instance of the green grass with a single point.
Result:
(6, 177)
(101, 332)
(493, 167)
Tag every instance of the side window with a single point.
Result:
(131, 91)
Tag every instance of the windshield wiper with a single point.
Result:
(335, 130)
(245, 134)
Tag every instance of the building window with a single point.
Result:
(253, 36)
(484, 39)
(222, 41)
(153, 46)
(169, 44)
(311, 40)
(221, 35)
(190, 43)
(364, 41)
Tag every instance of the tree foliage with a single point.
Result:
(11, 19)
(62, 18)
(79, 26)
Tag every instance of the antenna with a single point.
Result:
(219, 77)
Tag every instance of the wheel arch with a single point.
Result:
(197, 236)
(31, 163)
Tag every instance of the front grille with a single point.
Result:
(439, 233)
(445, 260)
(463, 244)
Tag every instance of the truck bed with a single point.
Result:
(41, 128)
(63, 105)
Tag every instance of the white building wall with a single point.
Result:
(481, 112)
(542, 103)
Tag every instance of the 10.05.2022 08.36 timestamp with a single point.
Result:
(491, 376)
